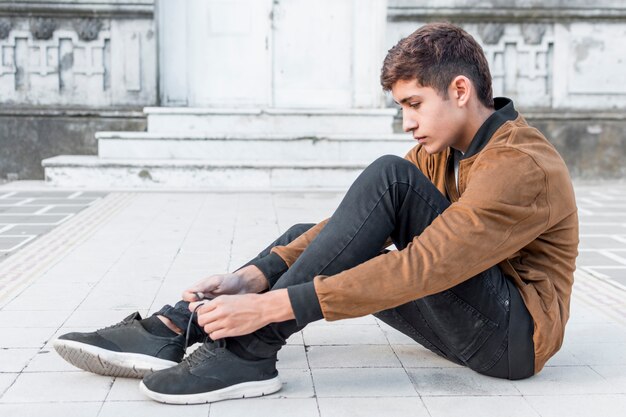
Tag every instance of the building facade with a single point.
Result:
(69, 69)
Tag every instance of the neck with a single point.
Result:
(479, 114)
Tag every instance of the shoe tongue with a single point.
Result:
(134, 316)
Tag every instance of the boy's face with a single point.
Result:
(435, 122)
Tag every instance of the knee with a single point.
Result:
(391, 167)
(389, 160)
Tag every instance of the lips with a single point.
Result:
(421, 139)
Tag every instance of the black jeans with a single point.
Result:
(481, 323)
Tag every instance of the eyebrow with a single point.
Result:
(404, 100)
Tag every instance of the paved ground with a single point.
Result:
(25, 215)
(136, 251)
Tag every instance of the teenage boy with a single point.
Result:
(482, 213)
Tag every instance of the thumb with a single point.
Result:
(202, 289)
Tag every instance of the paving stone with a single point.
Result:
(263, 407)
(47, 360)
(296, 339)
(297, 383)
(14, 360)
(615, 375)
(52, 219)
(30, 209)
(617, 274)
(8, 243)
(34, 337)
(365, 407)
(6, 379)
(39, 297)
(110, 300)
(598, 353)
(58, 387)
(292, 357)
(458, 381)
(417, 356)
(589, 258)
(352, 356)
(51, 409)
(583, 405)
(362, 382)
(151, 408)
(565, 380)
(475, 406)
(66, 209)
(394, 336)
(344, 334)
(61, 201)
(126, 389)
(577, 333)
(97, 319)
(27, 230)
(44, 194)
(564, 358)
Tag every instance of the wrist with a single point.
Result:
(277, 306)
(254, 279)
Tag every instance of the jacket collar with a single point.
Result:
(504, 112)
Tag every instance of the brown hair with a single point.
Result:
(434, 54)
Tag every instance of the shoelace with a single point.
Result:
(204, 352)
(189, 325)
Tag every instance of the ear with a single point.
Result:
(460, 90)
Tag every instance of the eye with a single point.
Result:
(414, 105)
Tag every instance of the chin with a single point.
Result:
(432, 150)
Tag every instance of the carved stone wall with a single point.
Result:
(549, 54)
(70, 68)
(561, 61)
(62, 56)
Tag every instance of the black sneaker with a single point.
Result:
(125, 349)
(212, 373)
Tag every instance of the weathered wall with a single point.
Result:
(68, 69)
(67, 53)
(561, 61)
(27, 137)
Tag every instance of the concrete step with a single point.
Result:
(146, 145)
(99, 173)
(269, 121)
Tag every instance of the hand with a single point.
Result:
(236, 315)
(214, 285)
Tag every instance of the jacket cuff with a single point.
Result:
(305, 304)
(272, 266)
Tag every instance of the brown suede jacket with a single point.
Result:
(514, 207)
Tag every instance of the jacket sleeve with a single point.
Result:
(502, 210)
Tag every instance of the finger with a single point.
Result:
(206, 286)
(212, 328)
(210, 317)
(221, 334)
(193, 296)
(203, 305)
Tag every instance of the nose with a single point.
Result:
(409, 123)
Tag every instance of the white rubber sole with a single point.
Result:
(243, 390)
(106, 362)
